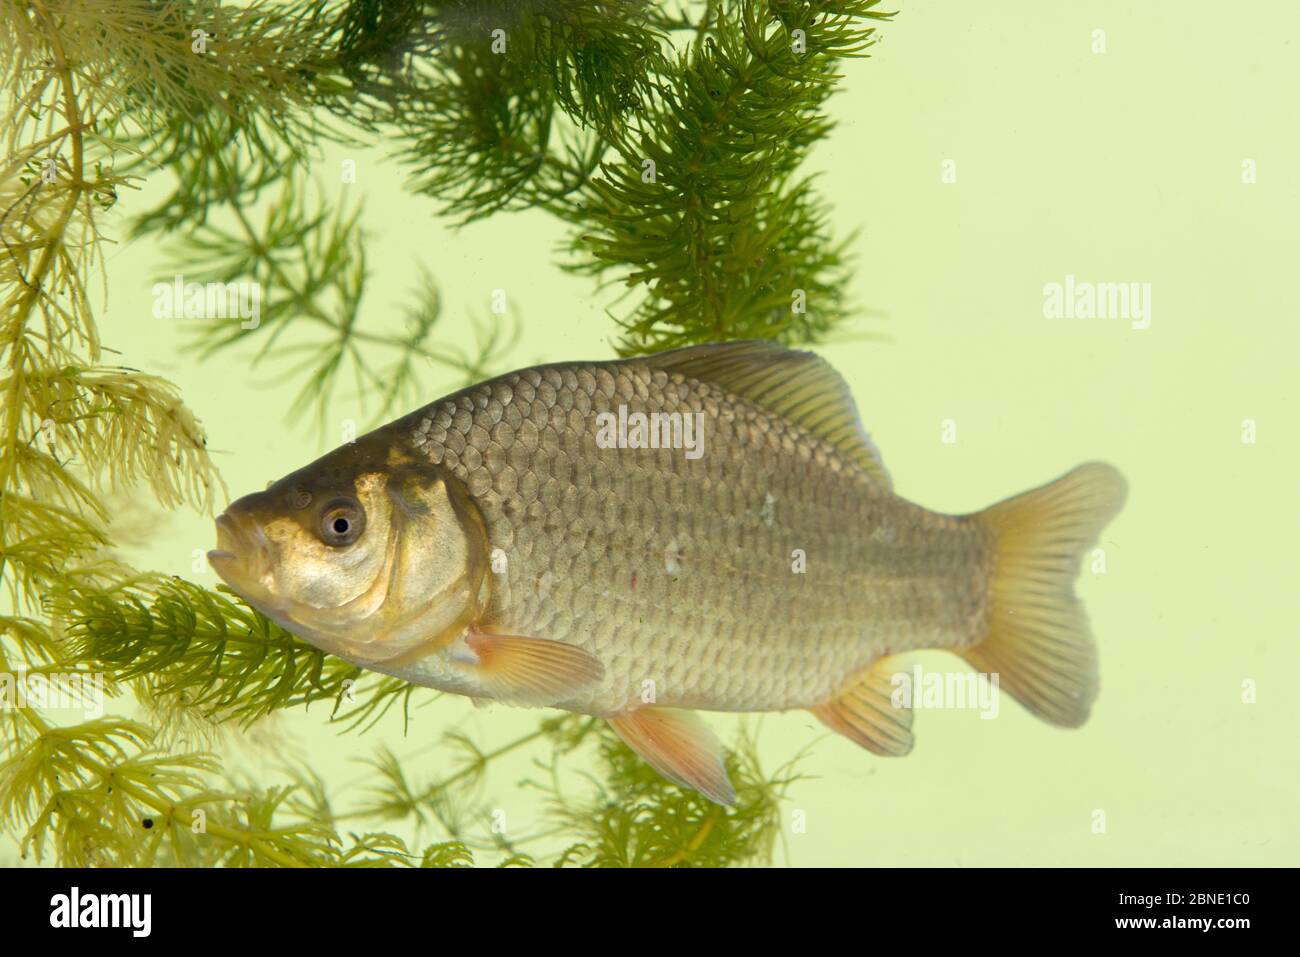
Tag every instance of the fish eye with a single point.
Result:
(342, 521)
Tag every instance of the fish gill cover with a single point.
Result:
(669, 138)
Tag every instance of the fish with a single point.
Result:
(646, 538)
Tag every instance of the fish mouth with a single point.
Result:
(242, 557)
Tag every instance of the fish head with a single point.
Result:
(368, 553)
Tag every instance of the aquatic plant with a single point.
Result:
(669, 142)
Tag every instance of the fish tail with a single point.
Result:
(1038, 641)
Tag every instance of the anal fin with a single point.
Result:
(680, 746)
(865, 713)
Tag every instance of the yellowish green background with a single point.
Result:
(1122, 166)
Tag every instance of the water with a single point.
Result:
(985, 153)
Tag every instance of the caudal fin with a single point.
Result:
(1038, 640)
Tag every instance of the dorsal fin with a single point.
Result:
(798, 386)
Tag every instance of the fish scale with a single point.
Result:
(678, 574)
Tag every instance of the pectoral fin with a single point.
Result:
(865, 713)
(532, 670)
(679, 746)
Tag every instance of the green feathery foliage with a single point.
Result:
(210, 653)
(670, 143)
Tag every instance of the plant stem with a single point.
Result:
(694, 844)
(18, 356)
